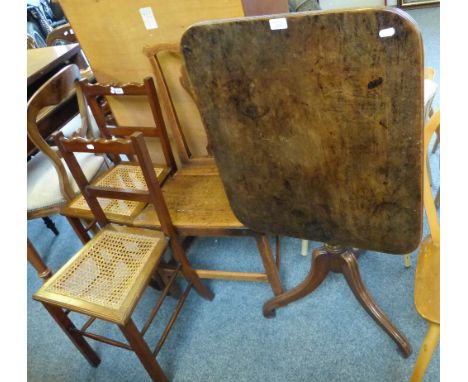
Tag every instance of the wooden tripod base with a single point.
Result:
(340, 260)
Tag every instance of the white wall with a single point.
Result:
(333, 4)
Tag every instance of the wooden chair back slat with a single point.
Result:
(99, 145)
(126, 131)
(92, 93)
(152, 53)
(119, 193)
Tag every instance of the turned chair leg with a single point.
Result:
(143, 352)
(269, 263)
(425, 353)
(51, 225)
(407, 260)
(304, 247)
(43, 271)
(70, 330)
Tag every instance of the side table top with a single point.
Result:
(316, 122)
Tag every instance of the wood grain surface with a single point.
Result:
(316, 128)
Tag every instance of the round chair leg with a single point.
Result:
(425, 353)
(407, 260)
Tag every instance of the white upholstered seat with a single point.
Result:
(74, 125)
(43, 182)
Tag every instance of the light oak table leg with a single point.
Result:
(269, 263)
(143, 352)
(425, 353)
(407, 260)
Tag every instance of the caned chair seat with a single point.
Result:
(43, 182)
(426, 284)
(122, 176)
(195, 198)
(106, 278)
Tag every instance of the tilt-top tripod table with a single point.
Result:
(316, 124)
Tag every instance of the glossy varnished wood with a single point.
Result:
(317, 128)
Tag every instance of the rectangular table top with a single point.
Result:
(316, 122)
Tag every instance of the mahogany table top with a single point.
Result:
(316, 128)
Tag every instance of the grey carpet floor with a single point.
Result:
(326, 336)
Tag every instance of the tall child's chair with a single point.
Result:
(107, 277)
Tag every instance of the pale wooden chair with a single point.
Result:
(194, 194)
(167, 103)
(430, 89)
(107, 277)
(50, 184)
(64, 34)
(427, 279)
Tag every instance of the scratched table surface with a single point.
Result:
(316, 122)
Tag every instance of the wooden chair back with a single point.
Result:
(58, 88)
(135, 146)
(316, 130)
(153, 52)
(429, 203)
(93, 93)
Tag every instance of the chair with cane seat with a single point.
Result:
(50, 184)
(427, 279)
(107, 277)
(194, 195)
(124, 174)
